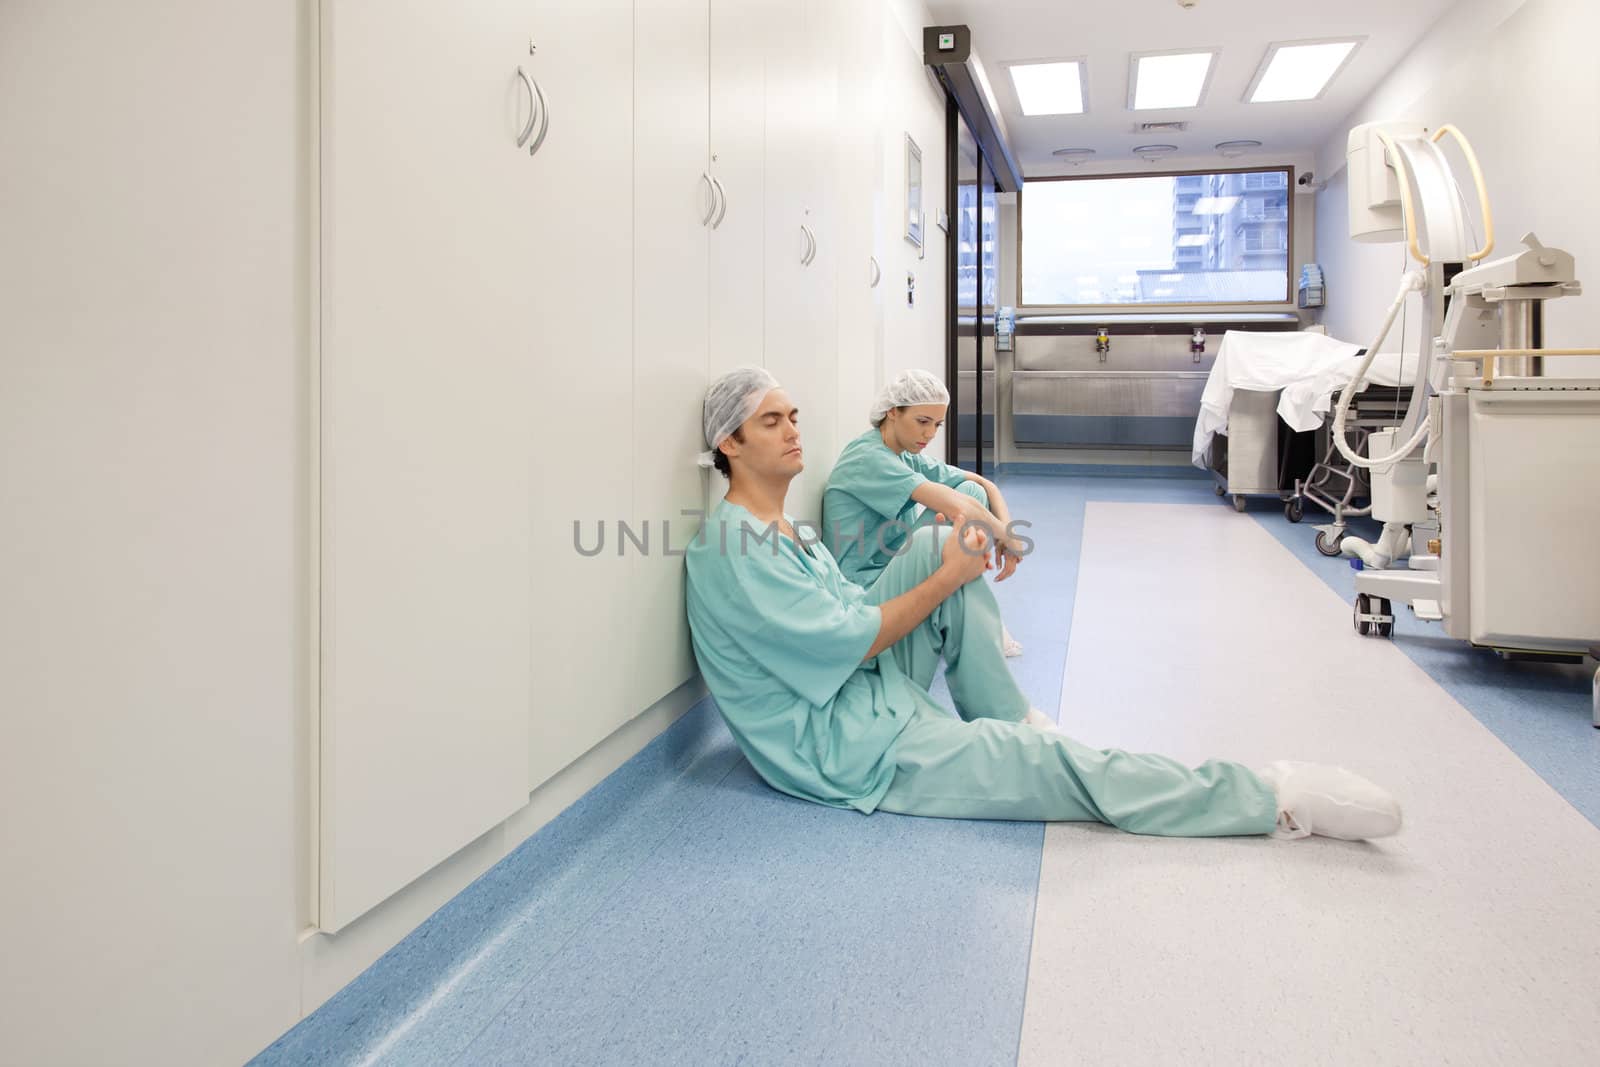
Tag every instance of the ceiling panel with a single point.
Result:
(1109, 33)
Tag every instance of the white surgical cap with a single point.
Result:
(909, 389)
(731, 399)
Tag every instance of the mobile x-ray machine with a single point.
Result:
(1489, 491)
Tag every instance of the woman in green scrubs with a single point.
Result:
(884, 487)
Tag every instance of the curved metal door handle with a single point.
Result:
(811, 247)
(711, 209)
(544, 119)
(877, 272)
(722, 196)
(533, 108)
(805, 250)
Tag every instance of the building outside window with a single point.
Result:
(967, 251)
(1160, 239)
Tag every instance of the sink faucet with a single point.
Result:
(1102, 343)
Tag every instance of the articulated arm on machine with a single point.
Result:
(1401, 183)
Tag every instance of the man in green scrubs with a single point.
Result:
(824, 684)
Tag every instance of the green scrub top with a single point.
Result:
(780, 636)
(869, 489)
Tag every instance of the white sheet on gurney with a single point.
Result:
(1307, 367)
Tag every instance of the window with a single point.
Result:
(1264, 239)
(1211, 238)
(967, 251)
(1270, 179)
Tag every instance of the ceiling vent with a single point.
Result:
(1160, 127)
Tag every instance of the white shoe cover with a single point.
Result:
(1008, 644)
(1315, 798)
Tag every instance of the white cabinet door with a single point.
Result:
(425, 375)
(581, 336)
(856, 179)
(739, 30)
(675, 206)
(738, 335)
(826, 25)
(794, 235)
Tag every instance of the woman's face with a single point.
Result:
(909, 429)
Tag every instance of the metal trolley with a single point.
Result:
(1250, 459)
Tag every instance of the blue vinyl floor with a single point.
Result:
(683, 913)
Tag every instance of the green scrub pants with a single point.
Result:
(964, 631)
(992, 768)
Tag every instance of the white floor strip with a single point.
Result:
(1470, 938)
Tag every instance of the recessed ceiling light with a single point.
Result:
(1301, 70)
(1154, 152)
(1235, 148)
(1073, 155)
(1169, 79)
(1055, 88)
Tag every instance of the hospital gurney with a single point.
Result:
(1258, 379)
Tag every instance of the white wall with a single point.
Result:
(1519, 79)
(157, 218)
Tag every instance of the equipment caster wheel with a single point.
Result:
(1367, 607)
(1294, 510)
(1329, 547)
(1240, 503)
